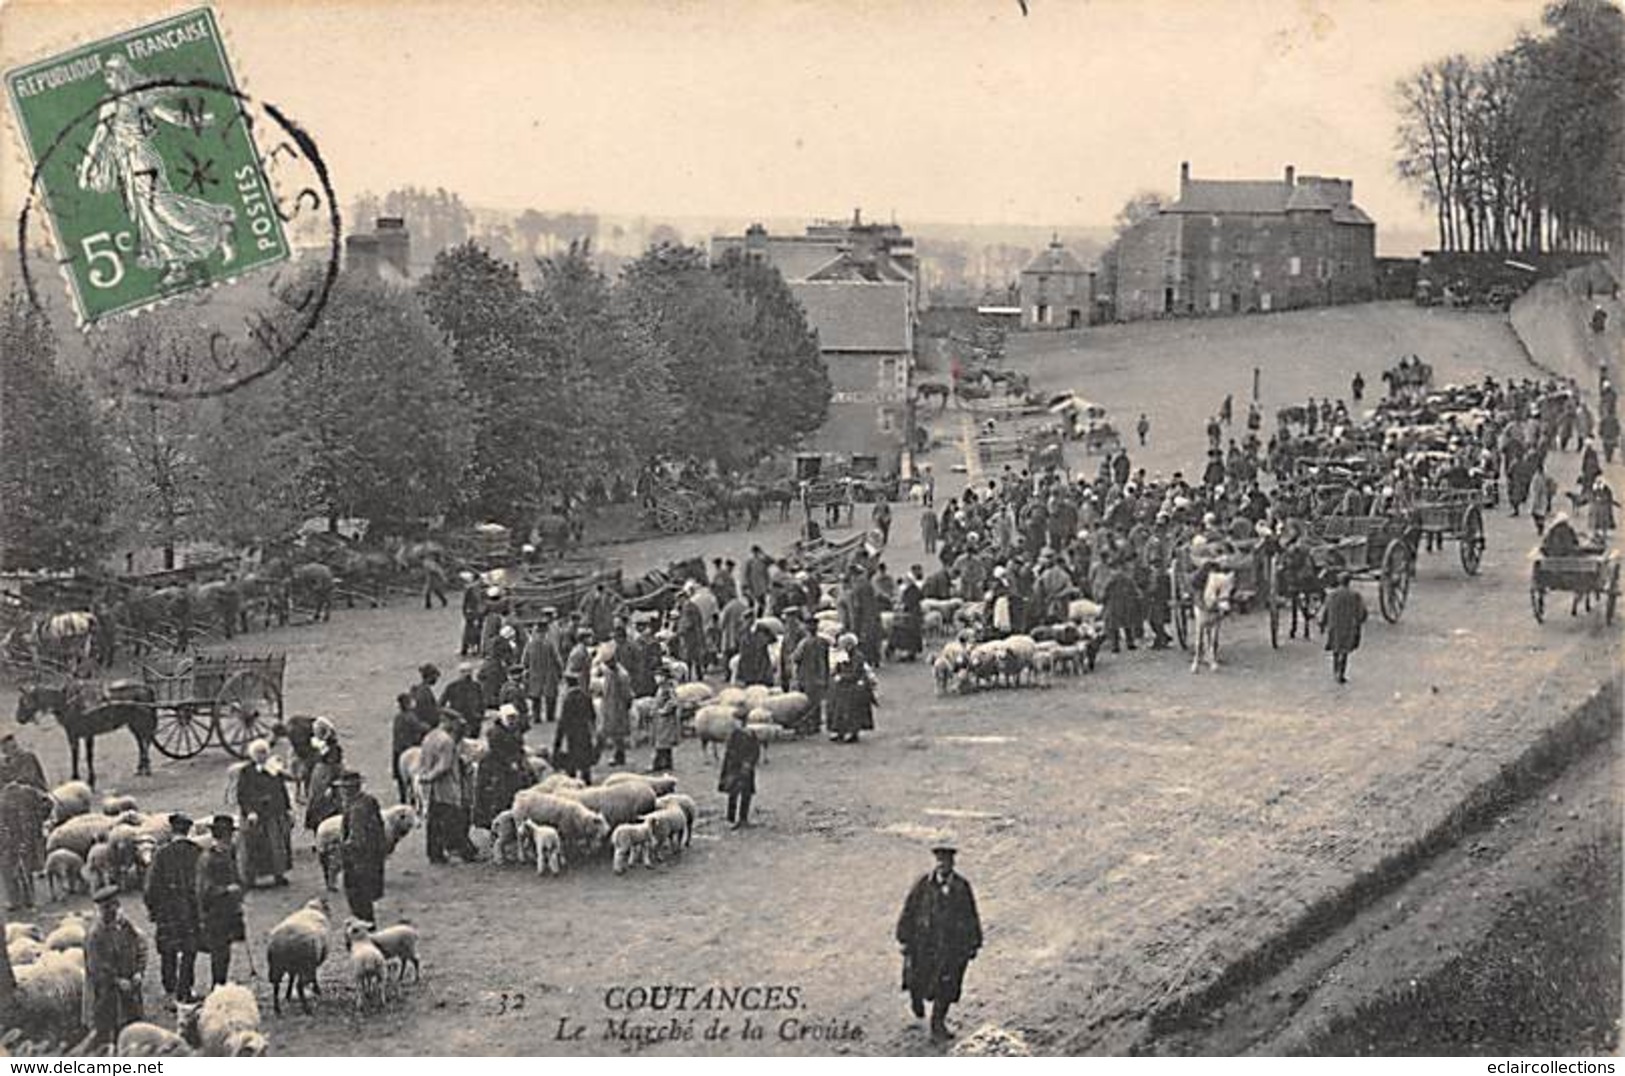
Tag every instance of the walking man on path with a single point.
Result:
(940, 933)
(1341, 622)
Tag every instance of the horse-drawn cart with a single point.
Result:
(1254, 571)
(530, 590)
(1371, 549)
(199, 698)
(828, 561)
(1585, 575)
(1457, 515)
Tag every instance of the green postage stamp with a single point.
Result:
(144, 161)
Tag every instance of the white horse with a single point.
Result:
(1209, 610)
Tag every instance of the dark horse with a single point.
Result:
(86, 712)
(1303, 586)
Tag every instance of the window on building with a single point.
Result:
(1215, 301)
(888, 374)
(1294, 266)
(1215, 220)
(1215, 269)
(888, 423)
(1258, 271)
(1264, 300)
(1213, 243)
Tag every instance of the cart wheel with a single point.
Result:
(180, 734)
(1395, 585)
(245, 709)
(1273, 601)
(1181, 610)
(1537, 602)
(1613, 596)
(1471, 542)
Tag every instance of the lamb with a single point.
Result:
(632, 841)
(80, 832)
(368, 965)
(1081, 610)
(295, 948)
(142, 1039)
(117, 805)
(1044, 661)
(399, 944)
(662, 784)
(668, 828)
(580, 828)
(69, 934)
(64, 867)
(228, 1024)
(1068, 660)
(626, 801)
(408, 766)
(942, 671)
(643, 719)
(559, 782)
(50, 995)
(399, 820)
(932, 624)
(329, 836)
(72, 798)
(686, 804)
(549, 849)
(507, 845)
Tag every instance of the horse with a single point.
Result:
(367, 573)
(65, 641)
(223, 598)
(1303, 587)
(746, 499)
(1209, 609)
(86, 711)
(782, 495)
(925, 390)
(312, 585)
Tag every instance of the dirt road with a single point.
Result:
(1130, 834)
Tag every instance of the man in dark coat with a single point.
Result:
(465, 696)
(738, 778)
(115, 958)
(544, 665)
(172, 905)
(423, 700)
(19, 764)
(1122, 602)
(940, 933)
(220, 897)
(809, 663)
(473, 614)
(573, 750)
(755, 663)
(407, 732)
(23, 811)
(1342, 620)
(361, 847)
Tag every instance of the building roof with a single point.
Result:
(797, 258)
(1055, 259)
(1231, 196)
(857, 315)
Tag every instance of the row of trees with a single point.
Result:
(1525, 150)
(471, 395)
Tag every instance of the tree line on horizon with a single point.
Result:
(1525, 150)
(470, 395)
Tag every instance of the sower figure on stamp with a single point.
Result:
(940, 933)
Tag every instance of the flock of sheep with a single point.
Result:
(1068, 648)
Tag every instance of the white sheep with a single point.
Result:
(580, 827)
(668, 828)
(229, 1023)
(661, 784)
(329, 837)
(932, 624)
(71, 799)
(549, 848)
(686, 804)
(80, 832)
(693, 694)
(399, 820)
(117, 805)
(142, 1039)
(1082, 610)
(555, 783)
(64, 868)
(399, 944)
(632, 842)
(50, 995)
(16, 931)
(408, 766)
(295, 948)
(69, 933)
(368, 966)
(24, 951)
(712, 725)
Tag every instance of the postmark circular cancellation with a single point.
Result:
(149, 178)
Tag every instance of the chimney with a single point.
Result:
(1184, 177)
(1291, 176)
(394, 244)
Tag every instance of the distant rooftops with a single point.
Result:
(1290, 194)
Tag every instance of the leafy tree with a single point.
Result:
(250, 458)
(790, 380)
(1143, 206)
(56, 473)
(375, 401)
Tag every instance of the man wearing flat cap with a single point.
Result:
(115, 958)
(544, 667)
(424, 703)
(940, 933)
(172, 905)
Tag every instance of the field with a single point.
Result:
(1130, 834)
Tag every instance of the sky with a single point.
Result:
(932, 110)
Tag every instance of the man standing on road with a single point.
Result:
(115, 957)
(1341, 622)
(1143, 428)
(1357, 387)
(543, 668)
(441, 776)
(172, 905)
(220, 897)
(362, 847)
(574, 751)
(757, 583)
(465, 696)
(940, 933)
(423, 700)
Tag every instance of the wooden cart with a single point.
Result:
(1456, 515)
(1255, 585)
(233, 699)
(1371, 549)
(1585, 575)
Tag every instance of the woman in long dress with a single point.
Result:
(172, 230)
(851, 706)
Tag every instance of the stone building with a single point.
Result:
(1057, 292)
(1238, 246)
(385, 253)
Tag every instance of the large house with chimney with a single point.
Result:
(1238, 246)
(859, 286)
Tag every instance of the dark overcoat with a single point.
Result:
(362, 848)
(940, 932)
(1342, 620)
(220, 898)
(573, 742)
(739, 761)
(171, 894)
